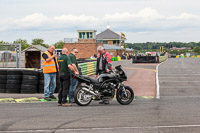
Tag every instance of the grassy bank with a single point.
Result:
(162, 58)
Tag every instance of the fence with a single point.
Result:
(10, 55)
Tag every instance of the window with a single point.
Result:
(105, 42)
(83, 35)
(115, 41)
(80, 35)
(88, 35)
(91, 35)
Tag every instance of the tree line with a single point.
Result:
(38, 41)
(155, 46)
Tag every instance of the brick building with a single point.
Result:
(88, 42)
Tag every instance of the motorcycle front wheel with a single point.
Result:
(81, 97)
(123, 97)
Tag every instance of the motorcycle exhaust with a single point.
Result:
(89, 91)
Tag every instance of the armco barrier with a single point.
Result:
(193, 56)
(145, 59)
(88, 68)
(115, 58)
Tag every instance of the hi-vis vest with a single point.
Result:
(49, 67)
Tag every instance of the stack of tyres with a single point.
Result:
(29, 81)
(41, 82)
(3, 80)
(14, 81)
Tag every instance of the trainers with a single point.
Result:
(52, 97)
(47, 98)
(71, 101)
(66, 105)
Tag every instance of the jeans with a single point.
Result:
(64, 87)
(73, 84)
(49, 84)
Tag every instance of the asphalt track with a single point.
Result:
(177, 110)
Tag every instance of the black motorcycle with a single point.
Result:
(105, 87)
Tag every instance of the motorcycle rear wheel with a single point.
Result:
(125, 100)
(81, 97)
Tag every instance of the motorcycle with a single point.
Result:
(105, 87)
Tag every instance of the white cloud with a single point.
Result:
(146, 20)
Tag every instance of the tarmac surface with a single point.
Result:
(135, 72)
(177, 110)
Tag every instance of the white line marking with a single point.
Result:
(180, 81)
(109, 128)
(178, 74)
(157, 82)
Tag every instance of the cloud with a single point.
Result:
(147, 19)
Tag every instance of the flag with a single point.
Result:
(122, 34)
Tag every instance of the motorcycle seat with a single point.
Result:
(91, 79)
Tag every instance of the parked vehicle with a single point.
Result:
(104, 88)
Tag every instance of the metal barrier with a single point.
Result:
(10, 55)
(145, 59)
(193, 56)
(88, 68)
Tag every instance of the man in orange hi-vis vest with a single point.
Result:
(50, 68)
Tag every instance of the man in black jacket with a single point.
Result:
(103, 66)
(103, 62)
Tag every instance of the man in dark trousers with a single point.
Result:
(103, 65)
(73, 81)
(65, 66)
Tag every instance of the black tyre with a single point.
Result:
(79, 96)
(3, 72)
(14, 81)
(3, 77)
(14, 77)
(41, 82)
(41, 87)
(13, 88)
(14, 72)
(2, 86)
(41, 74)
(41, 91)
(124, 99)
(30, 72)
(3, 81)
(30, 82)
(30, 77)
(13, 91)
(28, 88)
(3, 90)
(41, 78)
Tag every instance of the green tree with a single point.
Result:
(196, 50)
(24, 43)
(59, 45)
(39, 41)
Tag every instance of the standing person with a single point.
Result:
(103, 62)
(50, 68)
(103, 65)
(65, 66)
(73, 81)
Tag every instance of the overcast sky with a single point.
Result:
(139, 20)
